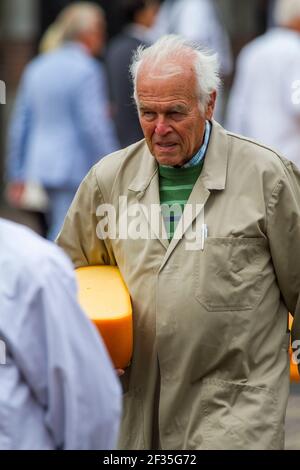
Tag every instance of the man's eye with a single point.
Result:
(176, 115)
(148, 114)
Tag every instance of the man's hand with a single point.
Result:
(120, 372)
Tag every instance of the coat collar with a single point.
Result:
(214, 169)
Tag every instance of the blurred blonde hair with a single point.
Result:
(71, 21)
(51, 39)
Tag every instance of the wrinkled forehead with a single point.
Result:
(170, 77)
(161, 71)
(171, 67)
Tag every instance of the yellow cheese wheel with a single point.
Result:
(105, 299)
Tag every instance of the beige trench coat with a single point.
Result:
(210, 368)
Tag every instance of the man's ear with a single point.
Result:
(211, 105)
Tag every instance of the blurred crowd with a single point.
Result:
(74, 101)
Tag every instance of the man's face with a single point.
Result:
(169, 113)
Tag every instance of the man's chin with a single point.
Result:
(168, 160)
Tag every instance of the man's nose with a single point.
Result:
(162, 127)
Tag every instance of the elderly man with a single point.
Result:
(210, 367)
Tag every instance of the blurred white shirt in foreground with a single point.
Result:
(58, 389)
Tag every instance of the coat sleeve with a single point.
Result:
(80, 237)
(63, 360)
(283, 229)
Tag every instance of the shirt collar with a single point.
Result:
(198, 157)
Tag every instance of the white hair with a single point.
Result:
(78, 18)
(286, 11)
(169, 49)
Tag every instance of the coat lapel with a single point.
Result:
(146, 187)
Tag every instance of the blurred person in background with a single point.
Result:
(58, 389)
(61, 124)
(270, 12)
(198, 21)
(264, 103)
(140, 16)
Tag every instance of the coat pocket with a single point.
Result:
(237, 416)
(228, 273)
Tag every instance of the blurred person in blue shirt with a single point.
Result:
(58, 388)
(61, 124)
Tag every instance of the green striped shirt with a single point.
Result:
(175, 187)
